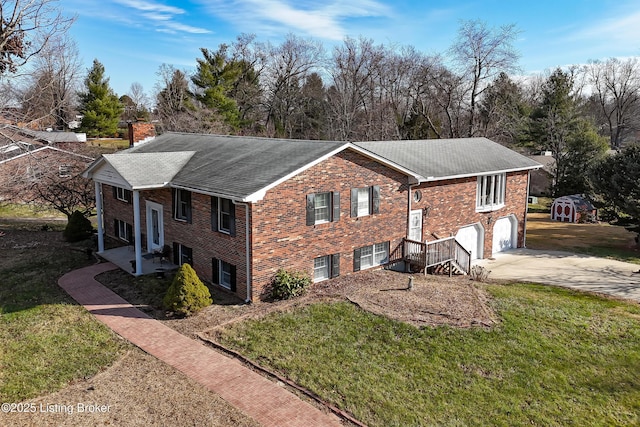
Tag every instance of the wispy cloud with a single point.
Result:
(305, 17)
(161, 17)
(618, 31)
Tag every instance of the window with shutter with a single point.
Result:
(365, 201)
(223, 215)
(182, 205)
(322, 207)
(371, 256)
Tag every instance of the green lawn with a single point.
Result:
(557, 358)
(21, 210)
(46, 340)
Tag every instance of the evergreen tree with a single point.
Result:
(615, 184)
(216, 76)
(560, 126)
(99, 105)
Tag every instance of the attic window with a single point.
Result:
(64, 171)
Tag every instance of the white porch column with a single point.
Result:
(137, 232)
(99, 219)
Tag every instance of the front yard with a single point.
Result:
(556, 358)
(450, 352)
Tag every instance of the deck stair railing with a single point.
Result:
(447, 251)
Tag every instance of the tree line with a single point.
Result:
(358, 90)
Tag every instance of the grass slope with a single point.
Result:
(558, 358)
(46, 340)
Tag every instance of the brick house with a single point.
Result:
(240, 208)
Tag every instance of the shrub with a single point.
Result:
(78, 228)
(287, 284)
(479, 273)
(187, 294)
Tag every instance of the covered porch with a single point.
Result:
(125, 258)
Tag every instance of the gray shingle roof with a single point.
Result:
(449, 158)
(235, 166)
(148, 169)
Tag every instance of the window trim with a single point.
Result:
(373, 201)
(182, 254)
(357, 256)
(497, 199)
(333, 208)
(217, 274)
(182, 198)
(122, 227)
(332, 267)
(123, 194)
(217, 216)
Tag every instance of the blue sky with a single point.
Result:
(132, 38)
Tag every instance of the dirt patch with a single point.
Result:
(138, 390)
(433, 301)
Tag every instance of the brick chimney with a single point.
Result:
(141, 132)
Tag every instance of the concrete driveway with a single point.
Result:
(581, 272)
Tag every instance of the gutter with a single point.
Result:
(247, 250)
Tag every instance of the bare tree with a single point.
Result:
(354, 68)
(26, 27)
(616, 90)
(291, 64)
(48, 92)
(481, 53)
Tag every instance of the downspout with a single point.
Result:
(99, 214)
(247, 250)
(526, 209)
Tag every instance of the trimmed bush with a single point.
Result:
(187, 294)
(287, 284)
(78, 228)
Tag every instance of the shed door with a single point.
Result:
(504, 234)
(470, 238)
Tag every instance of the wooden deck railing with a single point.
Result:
(438, 252)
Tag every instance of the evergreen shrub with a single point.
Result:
(187, 294)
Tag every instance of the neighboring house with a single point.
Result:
(240, 208)
(542, 179)
(24, 164)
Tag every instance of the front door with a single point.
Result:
(415, 225)
(155, 227)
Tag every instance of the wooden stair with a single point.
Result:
(443, 256)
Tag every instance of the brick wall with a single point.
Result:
(197, 235)
(452, 205)
(281, 238)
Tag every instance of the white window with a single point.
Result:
(226, 205)
(182, 205)
(123, 194)
(224, 274)
(363, 201)
(183, 254)
(322, 207)
(370, 256)
(321, 268)
(366, 257)
(123, 230)
(380, 254)
(490, 192)
(64, 171)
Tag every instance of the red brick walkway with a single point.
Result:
(261, 399)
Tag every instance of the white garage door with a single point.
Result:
(470, 238)
(504, 234)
